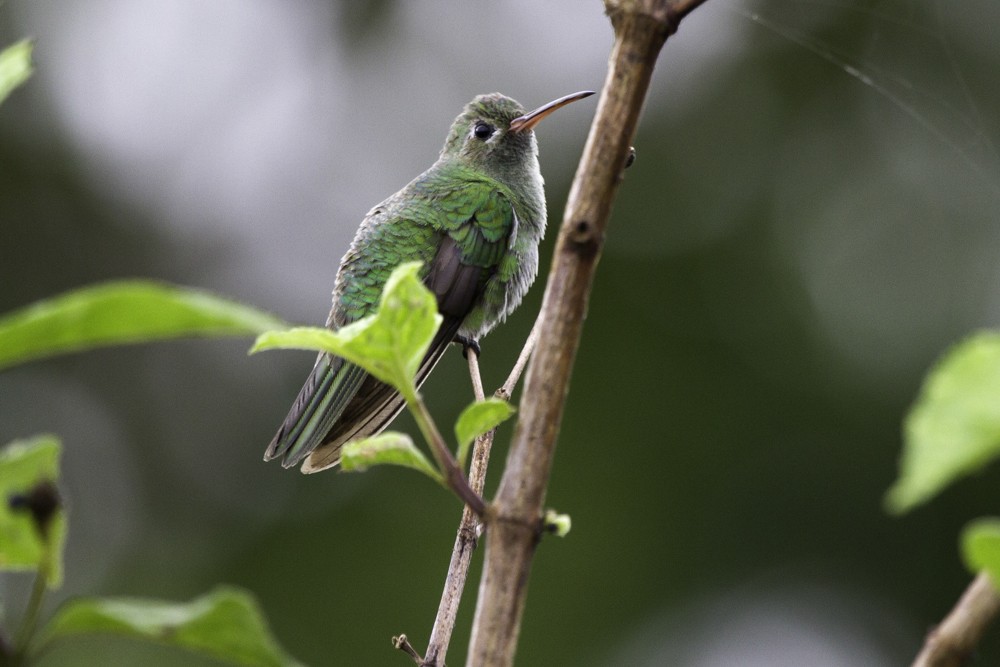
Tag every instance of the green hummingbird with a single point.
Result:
(474, 219)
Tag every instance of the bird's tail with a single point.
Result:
(329, 388)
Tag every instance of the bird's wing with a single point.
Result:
(339, 401)
(478, 225)
(479, 217)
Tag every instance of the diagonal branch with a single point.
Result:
(952, 643)
(641, 27)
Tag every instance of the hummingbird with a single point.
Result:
(474, 219)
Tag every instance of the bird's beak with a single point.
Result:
(529, 120)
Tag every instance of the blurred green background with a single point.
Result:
(811, 220)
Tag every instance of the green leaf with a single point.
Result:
(122, 312)
(478, 418)
(15, 66)
(225, 624)
(388, 448)
(389, 344)
(954, 427)
(24, 465)
(981, 547)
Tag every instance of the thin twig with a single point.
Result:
(952, 643)
(507, 390)
(477, 379)
(402, 643)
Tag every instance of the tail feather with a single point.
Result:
(324, 396)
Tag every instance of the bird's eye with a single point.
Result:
(483, 131)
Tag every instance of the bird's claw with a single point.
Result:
(468, 344)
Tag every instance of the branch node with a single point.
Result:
(460, 485)
(470, 533)
(630, 159)
(537, 526)
(557, 524)
(585, 237)
(665, 14)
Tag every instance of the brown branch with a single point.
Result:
(952, 643)
(641, 27)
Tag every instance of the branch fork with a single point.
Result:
(517, 522)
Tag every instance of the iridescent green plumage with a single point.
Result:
(474, 219)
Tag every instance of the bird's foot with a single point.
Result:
(468, 344)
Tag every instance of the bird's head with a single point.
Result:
(494, 133)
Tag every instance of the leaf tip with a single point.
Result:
(895, 502)
(259, 343)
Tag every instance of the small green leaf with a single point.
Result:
(981, 547)
(389, 344)
(225, 624)
(954, 427)
(558, 524)
(26, 465)
(15, 66)
(388, 448)
(478, 418)
(122, 312)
